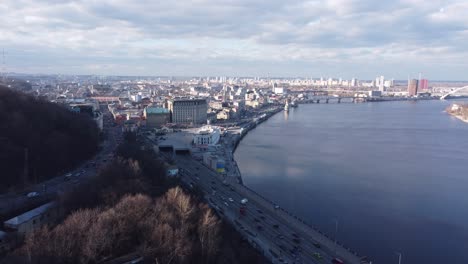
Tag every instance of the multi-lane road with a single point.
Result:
(279, 236)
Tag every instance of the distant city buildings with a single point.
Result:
(188, 111)
(100, 88)
(423, 84)
(380, 83)
(412, 87)
(375, 93)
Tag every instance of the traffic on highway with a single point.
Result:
(258, 223)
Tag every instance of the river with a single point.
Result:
(394, 175)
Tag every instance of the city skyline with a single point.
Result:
(338, 38)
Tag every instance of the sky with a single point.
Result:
(267, 38)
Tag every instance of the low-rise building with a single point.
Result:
(27, 222)
(375, 93)
(6, 242)
(156, 117)
(223, 114)
(214, 162)
(207, 136)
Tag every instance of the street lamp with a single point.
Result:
(399, 257)
(336, 232)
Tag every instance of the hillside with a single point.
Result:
(40, 139)
(130, 208)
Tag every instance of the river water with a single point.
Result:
(394, 174)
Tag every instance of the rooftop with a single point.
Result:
(156, 110)
(23, 218)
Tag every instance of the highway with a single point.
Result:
(269, 228)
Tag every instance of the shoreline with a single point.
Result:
(459, 117)
(245, 130)
(458, 110)
(282, 214)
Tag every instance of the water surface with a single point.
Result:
(395, 174)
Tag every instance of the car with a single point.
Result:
(226, 204)
(276, 226)
(317, 255)
(230, 199)
(259, 227)
(277, 207)
(337, 261)
(32, 194)
(68, 174)
(259, 211)
(78, 174)
(250, 233)
(317, 245)
(273, 253)
(232, 189)
(213, 182)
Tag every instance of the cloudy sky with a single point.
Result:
(339, 38)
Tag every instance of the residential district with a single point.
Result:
(196, 124)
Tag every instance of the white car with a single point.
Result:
(231, 200)
(32, 194)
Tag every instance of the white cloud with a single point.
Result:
(336, 37)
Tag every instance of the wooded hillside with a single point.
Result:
(40, 139)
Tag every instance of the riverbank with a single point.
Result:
(233, 139)
(459, 111)
(253, 124)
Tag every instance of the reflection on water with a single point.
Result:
(394, 174)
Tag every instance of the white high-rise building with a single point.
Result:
(381, 82)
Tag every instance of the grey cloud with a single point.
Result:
(241, 31)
